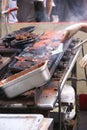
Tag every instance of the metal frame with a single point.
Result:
(47, 101)
(73, 69)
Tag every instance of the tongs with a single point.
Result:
(80, 44)
(38, 37)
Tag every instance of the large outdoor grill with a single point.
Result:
(32, 51)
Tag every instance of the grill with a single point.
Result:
(44, 97)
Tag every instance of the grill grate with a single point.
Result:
(30, 98)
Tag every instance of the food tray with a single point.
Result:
(20, 121)
(24, 29)
(4, 62)
(28, 28)
(11, 37)
(23, 81)
(21, 42)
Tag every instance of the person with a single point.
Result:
(33, 10)
(10, 4)
(70, 31)
(48, 5)
(54, 12)
(26, 11)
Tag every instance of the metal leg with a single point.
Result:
(74, 77)
(74, 84)
(59, 101)
(6, 23)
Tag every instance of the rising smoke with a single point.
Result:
(72, 10)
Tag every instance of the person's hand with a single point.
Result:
(70, 31)
(83, 61)
(65, 35)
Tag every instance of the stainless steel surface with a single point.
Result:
(47, 124)
(20, 121)
(25, 80)
(4, 62)
(48, 96)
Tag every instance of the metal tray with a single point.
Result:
(36, 76)
(21, 42)
(28, 28)
(20, 121)
(5, 62)
(24, 29)
(10, 38)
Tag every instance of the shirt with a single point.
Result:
(12, 15)
(26, 12)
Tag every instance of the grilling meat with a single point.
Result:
(25, 35)
(39, 51)
(52, 35)
(23, 64)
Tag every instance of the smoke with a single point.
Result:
(77, 14)
(72, 10)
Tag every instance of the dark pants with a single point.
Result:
(26, 12)
(29, 11)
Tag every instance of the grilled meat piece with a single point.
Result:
(25, 35)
